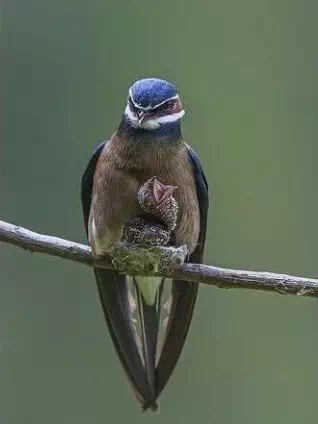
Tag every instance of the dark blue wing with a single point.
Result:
(87, 183)
(183, 293)
(114, 294)
(203, 198)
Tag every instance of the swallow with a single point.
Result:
(147, 143)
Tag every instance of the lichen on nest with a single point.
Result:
(141, 260)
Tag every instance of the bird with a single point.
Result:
(159, 217)
(148, 142)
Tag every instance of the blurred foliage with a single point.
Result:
(247, 73)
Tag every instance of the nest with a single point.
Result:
(142, 260)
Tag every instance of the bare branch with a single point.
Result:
(219, 277)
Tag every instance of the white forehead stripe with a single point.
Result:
(154, 123)
(138, 106)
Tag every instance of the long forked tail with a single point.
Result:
(148, 292)
(114, 291)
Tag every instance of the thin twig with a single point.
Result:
(219, 277)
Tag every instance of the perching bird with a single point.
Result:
(159, 217)
(148, 142)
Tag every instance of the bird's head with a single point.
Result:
(152, 103)
(154, 195)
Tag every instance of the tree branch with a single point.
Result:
(219, 277)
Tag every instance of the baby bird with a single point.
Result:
(160, 210)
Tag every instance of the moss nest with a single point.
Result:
(142, 260)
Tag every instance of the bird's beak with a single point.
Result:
(141, 116)
(160, 191)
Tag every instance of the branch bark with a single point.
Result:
(219, 277)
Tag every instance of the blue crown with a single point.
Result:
(150, 92)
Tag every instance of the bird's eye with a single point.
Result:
(169, 105)
(131, 105)
(165, 106)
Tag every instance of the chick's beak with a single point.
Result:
(161, 191)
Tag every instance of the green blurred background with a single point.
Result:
(247, 73)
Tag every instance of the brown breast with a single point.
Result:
(122, 168)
